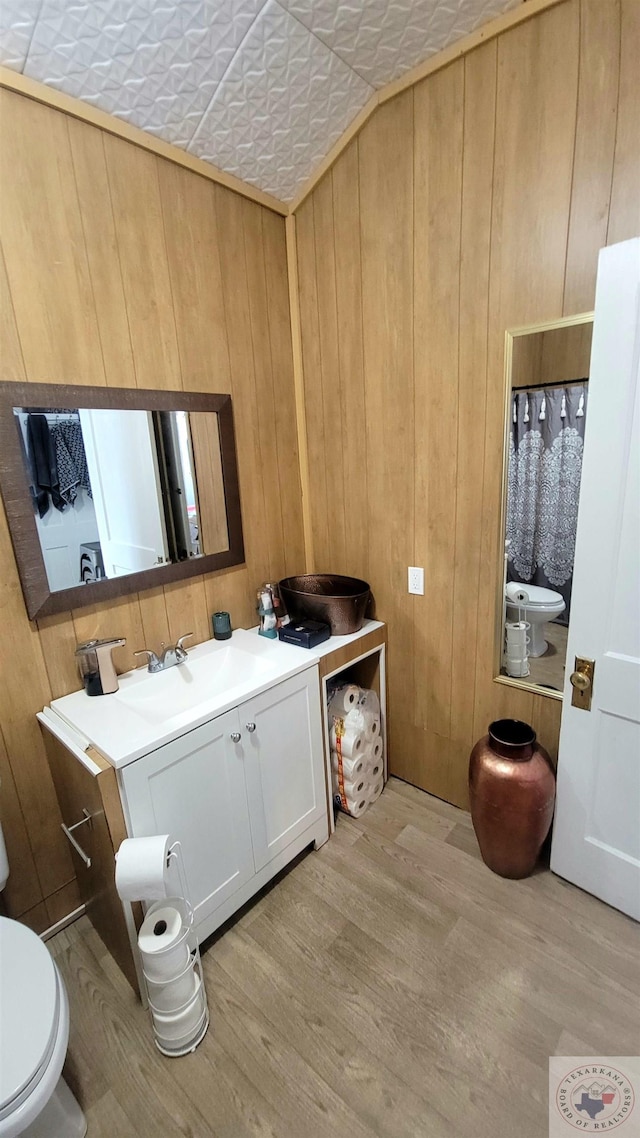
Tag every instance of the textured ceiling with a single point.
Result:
(261, 88)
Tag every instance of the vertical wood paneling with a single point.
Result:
(594, 147)
(264, 387)
(286, 443)
(318, 447)
(24, 688)
(346, 242)
(12, 361)
(336, 429)
(94, 200)
(137, 210)
(437, 177)
(505, 197)
(624, 216)
(190, 224)
(477, 193)
(23, 889)
(41, 225)
(123, 268)
(386, 234)
(536, 100)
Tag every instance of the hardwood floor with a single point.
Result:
(388, 984)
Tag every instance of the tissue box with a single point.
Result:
(305, 633)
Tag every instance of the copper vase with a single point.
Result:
(512, 791)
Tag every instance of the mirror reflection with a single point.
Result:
(547, 409)
(119, 491)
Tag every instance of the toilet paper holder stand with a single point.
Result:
(174, 855)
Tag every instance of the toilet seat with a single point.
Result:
(538, 597)
(35, 1027)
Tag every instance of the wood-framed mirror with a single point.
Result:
(113, 490)
(545, 410)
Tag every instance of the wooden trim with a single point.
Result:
(525, 685)
(53, 930)
(298, 383)
(59, 101)
(351, 653)
(489, 31)
(69, 105)
(39, 599)
(336, 150)
(441, 59)
(77, 790)
(510, 335)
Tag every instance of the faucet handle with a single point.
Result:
(151, 657)
(179, 641)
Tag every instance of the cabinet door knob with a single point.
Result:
(250, 727)
(236, 736)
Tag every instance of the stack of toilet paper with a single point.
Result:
(147, 869)
(356, 748)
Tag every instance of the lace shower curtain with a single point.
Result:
(545, 464)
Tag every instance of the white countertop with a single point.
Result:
(126, 725)
(334, 643)
(123, 732)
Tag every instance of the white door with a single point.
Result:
(123, 469)
(596, 837)
(194, 790)
(284, 763)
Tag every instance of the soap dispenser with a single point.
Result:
(96, 666)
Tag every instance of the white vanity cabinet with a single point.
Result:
(243, 793)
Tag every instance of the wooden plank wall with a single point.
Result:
(474, 202)
(121, 268)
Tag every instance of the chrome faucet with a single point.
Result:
(172, 654)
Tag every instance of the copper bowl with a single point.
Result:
(338, 601)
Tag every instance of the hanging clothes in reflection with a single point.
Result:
(57, 461)
(42, 464)
(71, 461)
(545, 467)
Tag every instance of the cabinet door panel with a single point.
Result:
(194, 790)
(284, 763)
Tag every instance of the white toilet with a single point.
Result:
(35, 1101)
(542, 605)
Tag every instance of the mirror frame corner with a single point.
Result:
(14, 485)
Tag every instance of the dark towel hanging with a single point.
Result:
(42, 461)
(72, 460)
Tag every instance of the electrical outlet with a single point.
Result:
(416, 580)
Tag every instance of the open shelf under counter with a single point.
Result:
(358, 658)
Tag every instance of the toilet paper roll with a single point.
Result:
(171, 1026)
(375, 790)
(353, 789)
(163, 944)
(142, 868)
(171, 995)
(356, 719)
(362, 719)
(351, 767)
(354, 806)
(351, 743)
(373, 751)
(372, 729)
(344, 699)
(516, 594)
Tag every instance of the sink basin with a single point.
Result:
(161, 696)
(151, 709)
